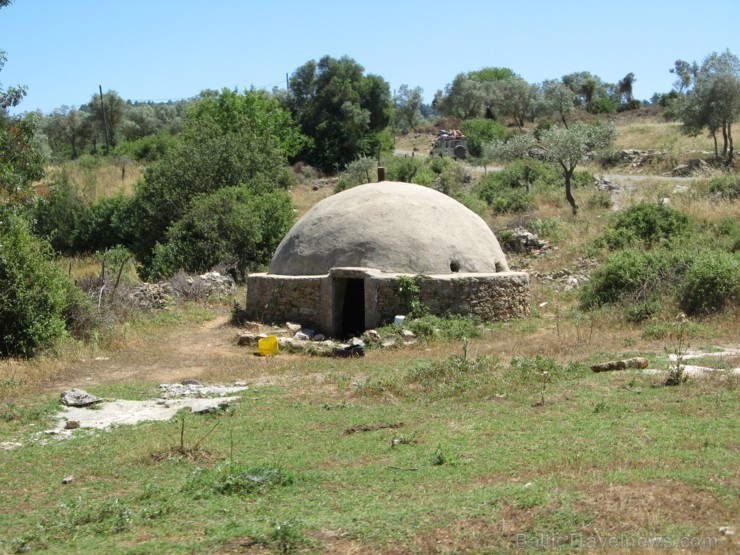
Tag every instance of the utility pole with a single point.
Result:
(105, 122)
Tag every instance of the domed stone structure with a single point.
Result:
(390, 227)
(337, 270)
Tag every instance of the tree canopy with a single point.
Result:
(343, 110)
(712, 98)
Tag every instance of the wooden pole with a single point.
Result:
(105, 121)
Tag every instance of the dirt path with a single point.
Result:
(195, 351)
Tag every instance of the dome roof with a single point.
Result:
(392, 227)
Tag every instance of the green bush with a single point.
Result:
(635, 275)
(511, 200)
(107, 223)
(711, 283)
(148, 149)
(726, 187)
(34, 294)
(401, 168)
(57, 216)
(452, 327)
(480, 131)
(233, 226)
(653, 223)
(236, 479)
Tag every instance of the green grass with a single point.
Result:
(477, 449)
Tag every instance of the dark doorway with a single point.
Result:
(352, 323)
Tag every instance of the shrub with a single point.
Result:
(401, 168)
(635, 275)
(233, 226)
(711, 283)
(480, 131)
(108, 222)
(652, 223)
(358, 172)
(472, 202)
(148, 149)
(452, 327)
(33, 292)
(726, 187)
(510, 200)
(236, 479)
(58, 215)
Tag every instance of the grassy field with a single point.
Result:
(507, 442)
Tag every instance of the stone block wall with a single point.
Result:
(309, 300)
(277, 299)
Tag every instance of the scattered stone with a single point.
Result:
(9, 445)
(372, 335)
(389, 341)
(407, 334)
(247, 339)
(78, 398)
(680, 189)
(254, 327)
(691, 167)
(727, 530)
(171, 390)
(300, 336)
(544, 305)
(636, 158)
(71, 425)
(189, 382)
(526, 242)
(318, 337)
(68, 480)
(638, 362)
(356, 348)
(293, 327)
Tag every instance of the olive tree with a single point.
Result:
(712, 99)
(564, 147)
(406, 103)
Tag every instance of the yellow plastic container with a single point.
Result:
(268, 346)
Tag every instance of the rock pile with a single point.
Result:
(150, 295)
(691, 167)
(566, 279)
(635, 158)
(530, 243)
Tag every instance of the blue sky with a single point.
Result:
(171, 49)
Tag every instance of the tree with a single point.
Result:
(109, 115)
(515, 98)
(712, 98)
(21, 159)
(68, 131)
(254, 110)
(624, 91)
(558, 99)
(226, 142)
(570, 147)
(33, 291)
(567, 148)
(406, 104)
(232, 226)
(464, 98)
(343, 110)
(591, 92)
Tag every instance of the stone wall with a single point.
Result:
(277, 299)
(309, 300)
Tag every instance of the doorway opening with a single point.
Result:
(351, 296)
